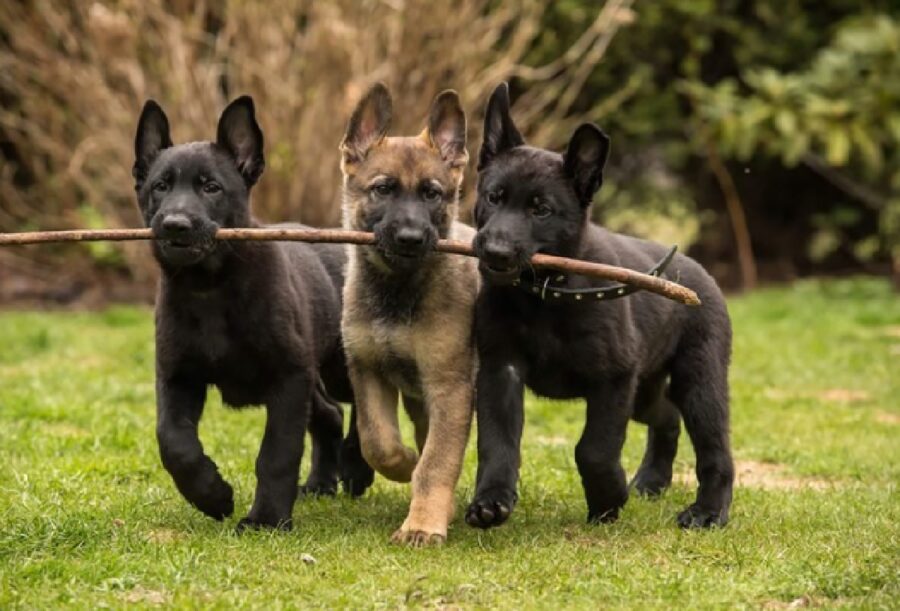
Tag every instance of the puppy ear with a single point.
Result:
(500, 133)
(152, 137)
(447, 129)
(584, 160)
(368, 124)
(240, 135)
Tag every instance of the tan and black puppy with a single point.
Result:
(407, 314)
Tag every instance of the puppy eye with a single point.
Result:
(160, 186)
(493, 197)
(212, 188)
(384, 189)
(431, 194)
(541, 211)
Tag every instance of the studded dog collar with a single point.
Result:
(542, 287)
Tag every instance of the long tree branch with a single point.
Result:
(647, 282)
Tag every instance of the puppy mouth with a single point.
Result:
(499, 274)
(179, 244)
(186, 245)
(185, 251)
(401, 254)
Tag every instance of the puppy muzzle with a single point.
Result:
(499, 261)
(405, 245)
(181, 240)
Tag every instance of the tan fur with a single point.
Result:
(438, 340)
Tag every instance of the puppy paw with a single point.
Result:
(249, 523)
(218, 502)
(317, 488)
(490, 508)
(418, 538)
(697, 517)
(650, 483)
(603, 516)
(356, 476)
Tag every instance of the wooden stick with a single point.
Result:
(654, 284)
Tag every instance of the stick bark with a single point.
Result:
(654, 284)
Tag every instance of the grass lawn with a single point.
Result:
(91, 519)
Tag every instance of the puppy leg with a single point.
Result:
(700, 390)
(326, 427)
(278, 462)
(416, 411)
(179, 408)
(356, 474)
(379, 430)
(598, 452)
(655, 472)
(500, 415)
(449, 404)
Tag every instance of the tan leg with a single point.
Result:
(379, 431)
(449, 401)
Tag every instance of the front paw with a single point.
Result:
(248, 523)
(356, 474)
(603, 516)
(651, 483)
(317, 488)
(491, 508)
(697, 517)
(418, 538)
(218, 501)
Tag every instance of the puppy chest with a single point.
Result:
(389, 350)
(243, 367)
(558, 362)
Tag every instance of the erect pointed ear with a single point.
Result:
(447, 129)
(152, 137)
(240, 135)
(584, 160)
(368, 124)
(500, 132)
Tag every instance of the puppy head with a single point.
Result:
(186, 192)
(531, 200)
(404, 189)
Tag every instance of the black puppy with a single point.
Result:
(258, 320)
(642, 357)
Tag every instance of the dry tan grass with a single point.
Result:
(73, 77)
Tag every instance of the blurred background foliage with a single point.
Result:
(762, 135)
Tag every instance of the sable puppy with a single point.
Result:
(640, 357)
(258, 320)
(407, 318)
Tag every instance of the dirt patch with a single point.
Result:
(765, 476)
(65, 430)
(843, 395)
(164, 536)
(797, 603)
(892, 331)
(833, 395)
(143, 595)
(555, 440)
(887, 418)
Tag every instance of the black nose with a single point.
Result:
(176, 224)
(498, 253)
(410, 236)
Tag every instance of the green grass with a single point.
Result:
(89, 518)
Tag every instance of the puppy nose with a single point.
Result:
(499, 252)
(410, 236)
(176, 224)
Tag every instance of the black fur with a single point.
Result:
(258, 320)
(642, 357)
